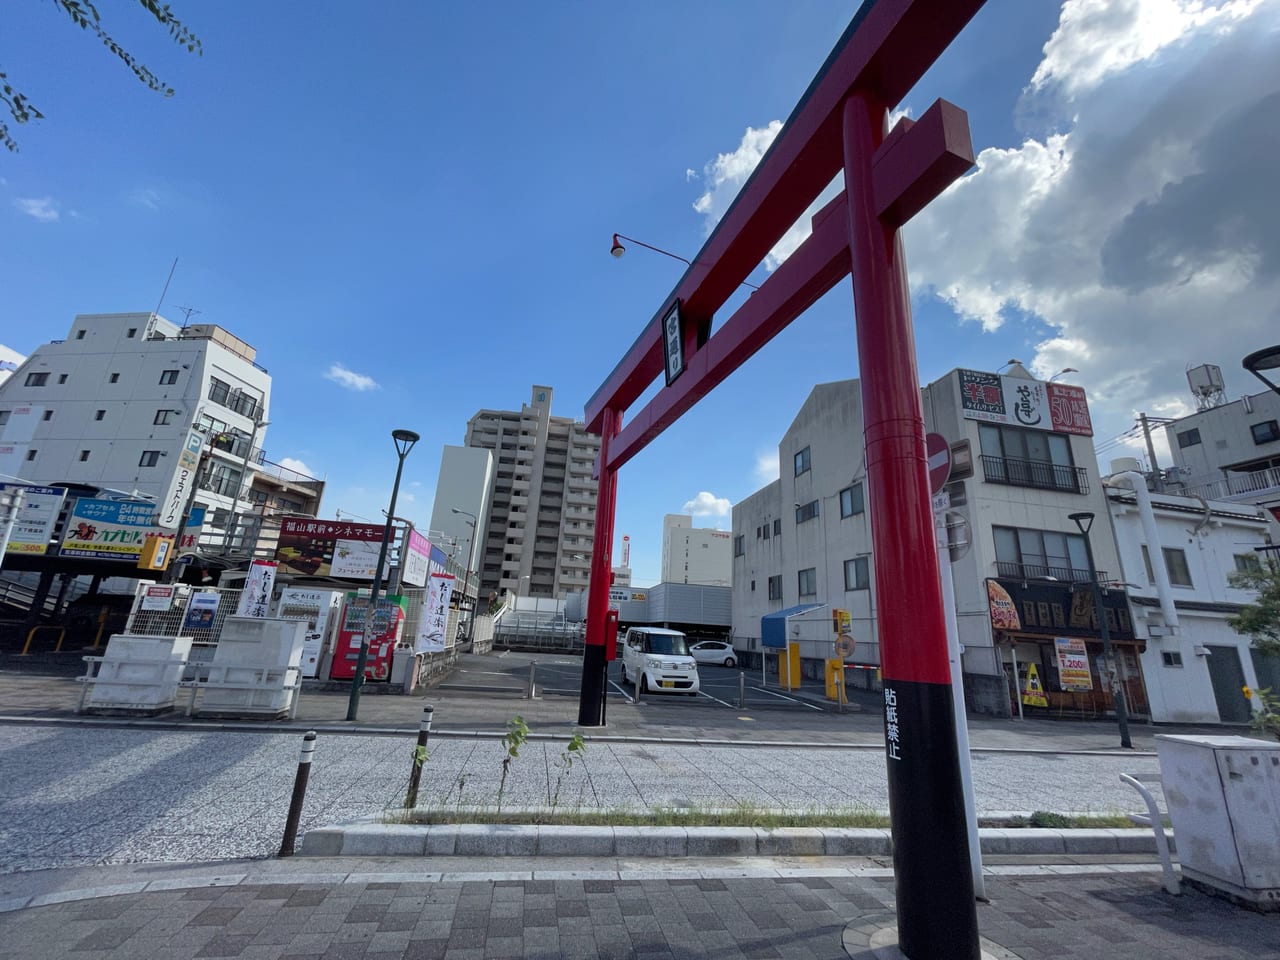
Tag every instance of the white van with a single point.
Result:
(658, 661)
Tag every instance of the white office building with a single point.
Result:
(463, 490)
(1023, 461)
(112, 405)
(698, 555)
(1194, 663)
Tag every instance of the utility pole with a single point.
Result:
(1156, 478)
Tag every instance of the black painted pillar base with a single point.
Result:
(937, 919)
(591, 700)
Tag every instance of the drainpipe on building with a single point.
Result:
(1159, 570)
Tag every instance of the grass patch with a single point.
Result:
(739, 816)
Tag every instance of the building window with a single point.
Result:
(79, 334)
(1266, 432)
(1029, 458)
(219, 390)
(114, 378)
(99, 414)
(163, 417)
(775, 588)
(802, 461)
(169, 376)
(37, 379)
(31, 454)
(84, 455)
(1248, 563)
(807, 512)
(857, 574)
(1189, 438)
(149, 458)
(48, 415)
(737, 546)
(765, 528)
(1176, 562)
(808, 581)
(1041, 554)
(133, 332)
(62, 378)
(753, 586)
(777, 527)
(4, 417)
(1171, 658)
(851, 500)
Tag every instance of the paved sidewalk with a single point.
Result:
(725, 910)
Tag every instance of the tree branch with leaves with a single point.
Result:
(1259, 620)
(84, 14)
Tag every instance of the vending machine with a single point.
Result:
(384, 634)
(320, 609)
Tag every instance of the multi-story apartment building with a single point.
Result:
(1180, 586)
(1022, 463)
(111, 407)
(542, 512)
(1228, 451)
(694, 554)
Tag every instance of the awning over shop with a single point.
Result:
(773, 626)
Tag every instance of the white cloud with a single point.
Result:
(767, 469)
(44, 209)
(291, 463)
(145, 197)
(350, 379)
(1098, 38)
(707, 505)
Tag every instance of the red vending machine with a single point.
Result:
(388, 625)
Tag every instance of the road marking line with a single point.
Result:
(791, 699)
(630, 699)
(717, 700)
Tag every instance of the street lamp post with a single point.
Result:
(1265, 359)
(404, 440)
(466, 581)
(1083, 522)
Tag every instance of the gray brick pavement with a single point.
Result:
(1085, 916)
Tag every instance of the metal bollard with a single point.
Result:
(742, 690)
(299, 792)
(419, 757)
(531, 693)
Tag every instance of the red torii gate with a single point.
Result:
(839, 123)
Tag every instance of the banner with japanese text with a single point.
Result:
(435, 614)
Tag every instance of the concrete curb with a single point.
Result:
(372, 839)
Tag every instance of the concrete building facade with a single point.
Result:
(699, 555)
(112, 406)
(465, 483)
(1022, 463)
(1194, 663)
(541, 523)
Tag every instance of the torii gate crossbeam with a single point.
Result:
(839, 124)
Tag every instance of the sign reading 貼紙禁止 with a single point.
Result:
(38, 515)
(169, 514)
(1019, 402)
(673, 342)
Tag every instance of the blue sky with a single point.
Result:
(423, 195)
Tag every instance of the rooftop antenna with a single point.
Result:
(187, 314)
(156, 311)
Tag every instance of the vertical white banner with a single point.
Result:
(255, 598)
(171, 507)
(435, 614)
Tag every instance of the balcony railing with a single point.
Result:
(1239, 485)
(1039, 474)
(1041, 571)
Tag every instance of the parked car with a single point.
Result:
(714, 651)
(658, 661)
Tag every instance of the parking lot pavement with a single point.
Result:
(330, 910)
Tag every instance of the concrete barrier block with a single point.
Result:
(442, 839)
(384, 840)
(575, 841)
(650, 842)
(321, 842)
(1029, 840)
(1090, 841)
(496, 840)
(790, 842)
(721, 842)
(857, 842)
(1140, 840)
